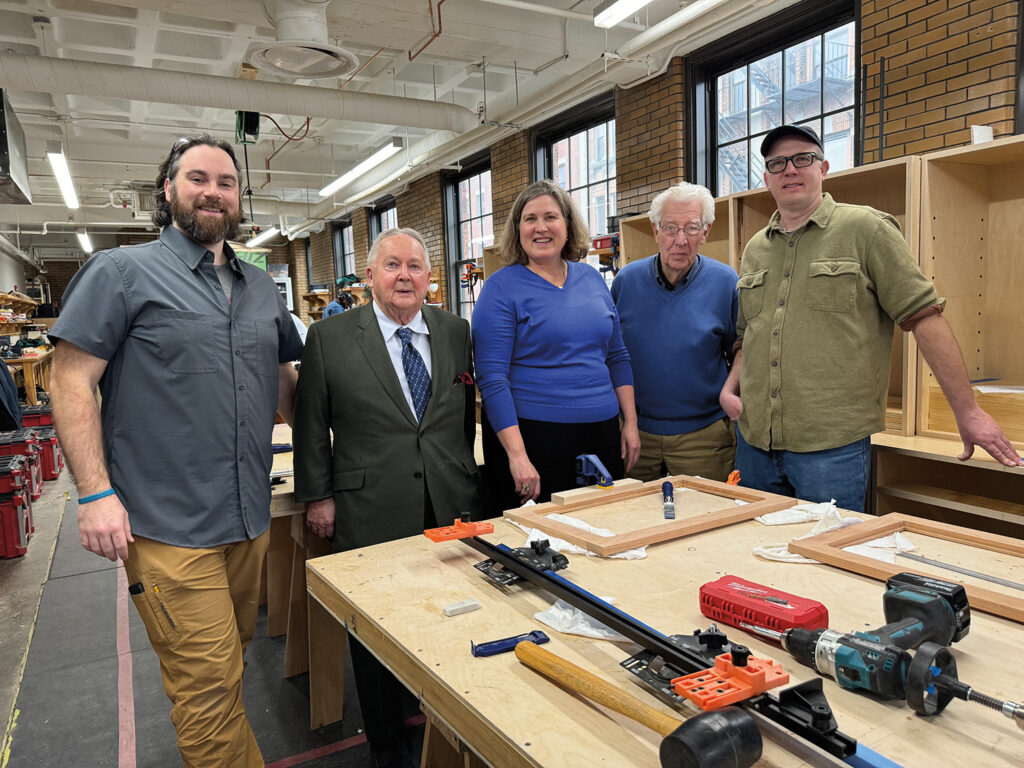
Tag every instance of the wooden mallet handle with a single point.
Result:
(594, 688)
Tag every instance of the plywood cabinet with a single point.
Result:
(973, 249)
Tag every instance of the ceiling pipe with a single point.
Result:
(9, 249)
(45, 74)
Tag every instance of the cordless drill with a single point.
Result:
(917, 609)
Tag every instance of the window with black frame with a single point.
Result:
(471, 230)
(344, 249)
(384, 217)
(577, 151)
(799, 67)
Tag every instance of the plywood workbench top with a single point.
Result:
(392, 596)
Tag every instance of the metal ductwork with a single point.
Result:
(44, 74)
(301, 49)
(7, 248)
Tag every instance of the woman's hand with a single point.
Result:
(526, 478)
(630, 442)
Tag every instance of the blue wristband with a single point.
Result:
(96, 496)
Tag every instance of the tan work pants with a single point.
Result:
(709, 452)
(199, 607)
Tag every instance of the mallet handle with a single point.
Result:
(594, 688)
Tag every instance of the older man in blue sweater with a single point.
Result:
(677, 311)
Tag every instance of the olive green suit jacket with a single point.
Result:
(380, 461)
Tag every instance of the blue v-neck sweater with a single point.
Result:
(546, 353)
(679, 341)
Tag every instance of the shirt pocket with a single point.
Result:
(832, 285)
(266, 347)
(186, 341)
(751, 290)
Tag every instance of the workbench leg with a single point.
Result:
(279, 569)
(442, 748)
(28, 372)
(296, 644)
(327, 643)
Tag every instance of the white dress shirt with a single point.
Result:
(420, 340)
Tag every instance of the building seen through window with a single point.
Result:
(583, 164)
(811, 83)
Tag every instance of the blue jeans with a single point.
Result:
(836, 473)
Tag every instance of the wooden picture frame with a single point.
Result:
(828, 548)
(758, 503)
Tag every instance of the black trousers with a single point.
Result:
(380, 693)
(552, 448)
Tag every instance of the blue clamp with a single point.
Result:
(507, 644)
(589, 467)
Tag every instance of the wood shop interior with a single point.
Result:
(352, 117)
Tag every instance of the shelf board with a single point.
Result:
(959, 501)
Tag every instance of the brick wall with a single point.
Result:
(361, 239)
(949, 64)
(649, 138)
(322, 254)
(510, 173)
(421, 208)
(58, 275)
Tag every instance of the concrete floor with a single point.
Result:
(62, 680)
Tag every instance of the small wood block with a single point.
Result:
(592, 492)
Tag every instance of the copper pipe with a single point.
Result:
(437, 31)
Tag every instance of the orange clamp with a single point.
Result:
(458, 530)
(725, 683)
(734, 478)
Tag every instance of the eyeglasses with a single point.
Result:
(691, 230)
(800, 160)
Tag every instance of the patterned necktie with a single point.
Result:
(415, 373)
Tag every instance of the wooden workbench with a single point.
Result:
(34, 370)
(391, 596)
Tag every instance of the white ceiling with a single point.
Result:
(523, 60)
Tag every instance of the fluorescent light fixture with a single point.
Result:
(372, 161)
(611, 12)
(59, 164)
(84, 241)
(262, 237)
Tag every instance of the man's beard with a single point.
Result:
(204, 230)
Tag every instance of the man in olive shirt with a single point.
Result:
(820, 288)
(190, 348)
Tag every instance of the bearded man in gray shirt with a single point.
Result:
(190, 348)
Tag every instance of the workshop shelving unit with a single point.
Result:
(19, 306)
(921, 476)
(892, 186)
(972, 236)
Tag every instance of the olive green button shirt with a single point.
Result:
(816, 314)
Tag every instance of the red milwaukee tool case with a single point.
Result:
(15, 524)
(13, 473)
(37, 416)
(50, 453)
(25, 442)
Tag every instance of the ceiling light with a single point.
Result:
(262, 237)
(373, 160)
(59, 164)
(611, 12)
(84, 241)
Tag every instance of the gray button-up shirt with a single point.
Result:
(190, 388)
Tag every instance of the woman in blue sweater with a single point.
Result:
(553, 372)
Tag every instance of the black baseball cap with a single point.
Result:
(788, 130)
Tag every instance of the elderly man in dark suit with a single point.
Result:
(393, 380)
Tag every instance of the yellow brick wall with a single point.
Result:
(421, 208)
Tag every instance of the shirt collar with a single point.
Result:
(191, 253)
(662, 278)
(821, 216)
(389, 326)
